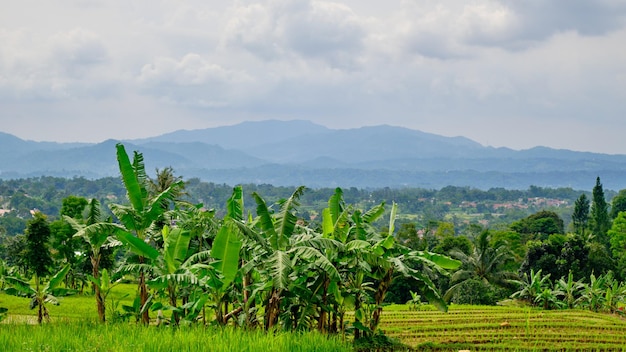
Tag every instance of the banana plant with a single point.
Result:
(137, 218)
(40, 295)
(568, 290)
(225, 251)
(103, 285)
(281, 247)
(370, 254)
(531, 286)
(169, 269)
(96, 234)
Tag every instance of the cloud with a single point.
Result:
(322, 30)
(77, 49)
(61, 65)
(540, 19)
(192, 80)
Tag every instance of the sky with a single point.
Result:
(502, 72)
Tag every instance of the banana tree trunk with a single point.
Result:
(272, 309)
(379, 297)
(39, 302)
(143, 295)
(332, 327)
(171, 290)
(321, 321)
(95, 272)
(357, 306)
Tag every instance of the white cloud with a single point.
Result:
(192, 80)
(62, 65)
(311, 29)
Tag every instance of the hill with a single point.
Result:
(301, 152)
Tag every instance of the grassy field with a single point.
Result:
(76, 336)
(472, 328)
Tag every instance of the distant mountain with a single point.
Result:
(365, 144)
(304, 153)
(244, 135)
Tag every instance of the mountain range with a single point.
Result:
(291, 153)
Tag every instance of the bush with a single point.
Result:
(476, 292)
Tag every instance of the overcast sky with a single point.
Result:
(503, 72)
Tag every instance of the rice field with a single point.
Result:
(482, 328)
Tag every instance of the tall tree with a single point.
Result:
(618, 203)
(617, 234)
(62, 241)
(37, 253)
(580, 216)
(600, 222)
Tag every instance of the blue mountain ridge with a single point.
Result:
(301, 152)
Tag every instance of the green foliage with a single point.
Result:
(12, 224)
(532, 285)
(617, 236)
(618, 203)
(460, 243)
(475, 291)
(73, 207)
(559, 254)
(37, 254)
(297, 270)
(486, 263)
(599, 219)
(580, 216)
(226, 249)
(540, 224)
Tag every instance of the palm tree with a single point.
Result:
(485, 263)
(164, 180)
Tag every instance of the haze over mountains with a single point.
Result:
(295, 153)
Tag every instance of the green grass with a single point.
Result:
(82, 336)
(78, 306)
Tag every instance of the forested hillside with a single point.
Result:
(497, 205)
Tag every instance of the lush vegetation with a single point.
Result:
(328, 266)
